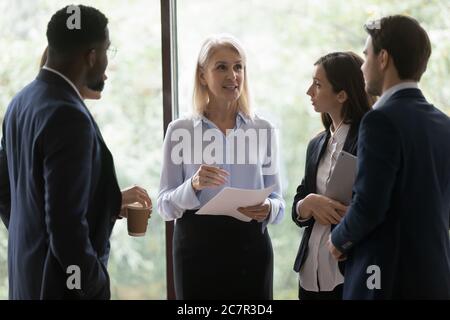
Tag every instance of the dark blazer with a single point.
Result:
(399, 217)
(59, 196)
(314, 153)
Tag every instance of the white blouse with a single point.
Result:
(320, 272)
(176, 193)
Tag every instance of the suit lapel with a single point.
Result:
(107, 166)
(318, 152)
(350, 144)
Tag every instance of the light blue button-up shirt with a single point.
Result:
(251, 164)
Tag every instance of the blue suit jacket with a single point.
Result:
(59, 196)
(399, 216)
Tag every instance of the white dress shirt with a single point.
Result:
(320, 272)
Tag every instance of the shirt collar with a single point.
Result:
(340, 134)
(388, 93)
(240, 117)
(65, 78)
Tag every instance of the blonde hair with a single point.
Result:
(43, 58)
(209, 47)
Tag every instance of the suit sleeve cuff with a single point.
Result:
(342, 244)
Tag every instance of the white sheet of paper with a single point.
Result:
(229, 199)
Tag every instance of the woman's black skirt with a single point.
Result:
(219, 257)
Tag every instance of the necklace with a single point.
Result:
(333, 133)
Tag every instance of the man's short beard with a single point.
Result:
(374, 88)
(98, 86)
(372, 91)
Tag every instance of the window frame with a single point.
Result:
(170, 107)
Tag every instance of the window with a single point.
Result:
(129, 115)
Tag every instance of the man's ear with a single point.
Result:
(91, 58)
(383, 58)
(342, 96)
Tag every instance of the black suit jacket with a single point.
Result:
(59, 196)
(314, 153)
(398, 220)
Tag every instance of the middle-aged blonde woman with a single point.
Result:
(218, 256)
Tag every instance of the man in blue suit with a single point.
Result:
(395, 233)
(59, 196)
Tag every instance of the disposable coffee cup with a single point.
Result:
(137, 219)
